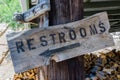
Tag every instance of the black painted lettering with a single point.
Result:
(33, 11)
(102, 27)
(53, 37)
(72, 34)
(20, 46)
(93, 29)
(30, 44)
(62, 37)
(43, 41)
(83, 32)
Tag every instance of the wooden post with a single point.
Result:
(64, 11)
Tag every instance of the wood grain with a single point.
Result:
(35, 47)
(36, 11)
(60, 14)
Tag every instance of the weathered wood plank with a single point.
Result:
(112, 7)
(24, 5)
(36, 11)
(35, 47)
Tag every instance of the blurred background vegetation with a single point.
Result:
(7, 10)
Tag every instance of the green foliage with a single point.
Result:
(7, 9)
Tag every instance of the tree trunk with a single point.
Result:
(64, 11)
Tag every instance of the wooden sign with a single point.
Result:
(34, 48)
(36, 11)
